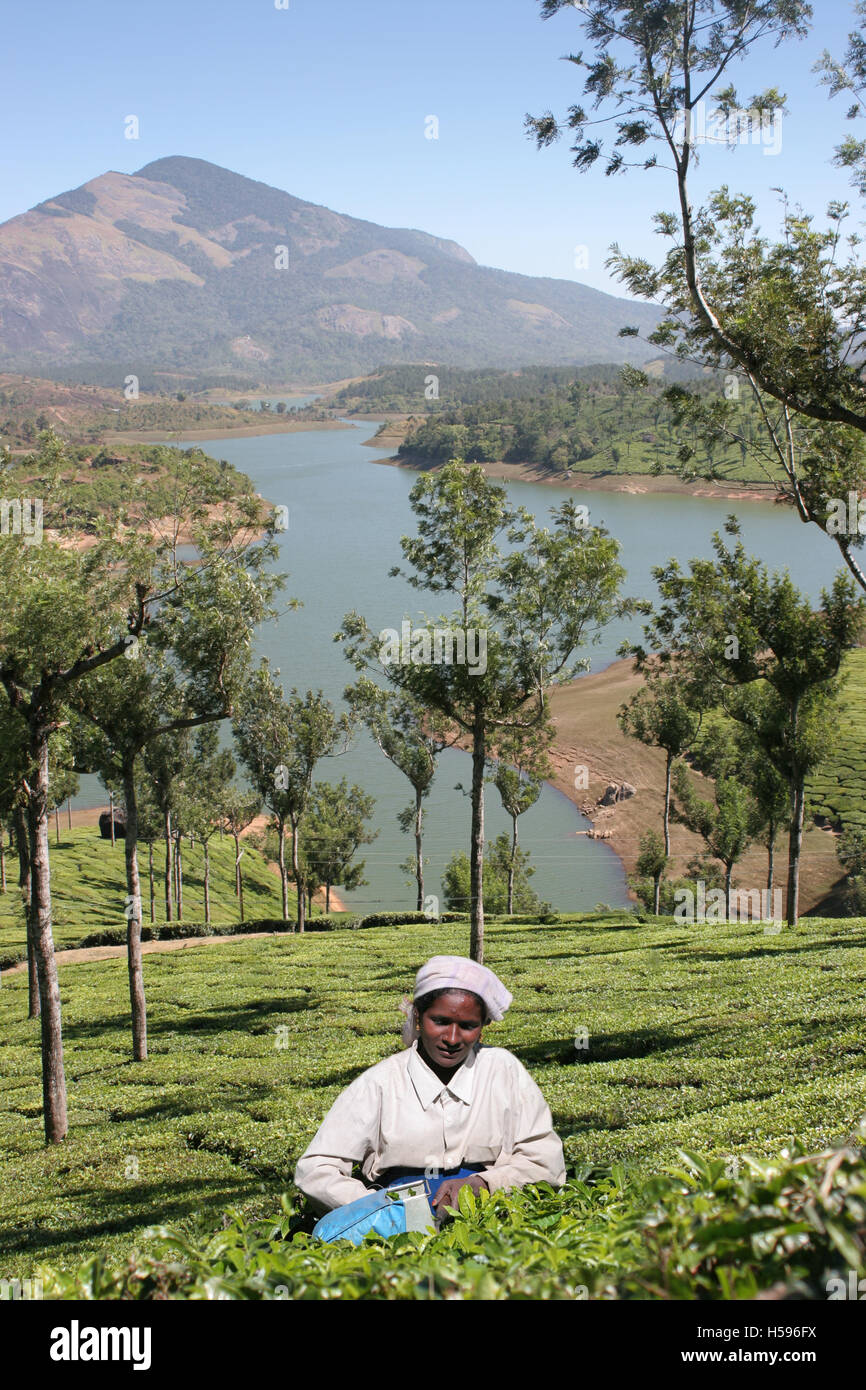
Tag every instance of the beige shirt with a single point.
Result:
(398, 1114)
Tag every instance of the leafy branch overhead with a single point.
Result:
(786, 316)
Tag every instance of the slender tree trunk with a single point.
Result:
(69, 812)
(178, 873)
(771, 857)
(667, 815)
(22, 842)
(511, 865)
(53, 1076)
(795, 847)
(327, 897)
(150, 876)
(206, 843)
(657, 894)
(729, 869)
(239, 883)
(111, 815)
(309, 900)
(419, 861)
(476, 860)
(296, 872)
(135, 963)
(284, 873)
(2, 859)
(57, 824)
(166, 824)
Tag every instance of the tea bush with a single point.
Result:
(694, 1232)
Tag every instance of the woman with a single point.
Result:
(446, 1108)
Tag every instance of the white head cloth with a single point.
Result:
(458, 972)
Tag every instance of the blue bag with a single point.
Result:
(407, 1210)
(388, 1215)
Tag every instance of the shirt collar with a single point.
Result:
(429, 1088)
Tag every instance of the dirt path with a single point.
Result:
(81, 954)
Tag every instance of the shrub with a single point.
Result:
(396, 919)
(456, 880)
(699, 1230)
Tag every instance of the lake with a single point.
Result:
(346, 516)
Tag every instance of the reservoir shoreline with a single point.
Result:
(587, 734)
(636, 484)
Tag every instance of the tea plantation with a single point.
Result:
(88, 889)
(717, 1040)
(837, 790)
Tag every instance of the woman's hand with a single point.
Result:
(447, 1193)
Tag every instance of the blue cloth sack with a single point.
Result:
(376, 1212)
(387, 1216)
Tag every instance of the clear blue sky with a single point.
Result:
(328, 99)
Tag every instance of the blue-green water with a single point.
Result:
(346, 516)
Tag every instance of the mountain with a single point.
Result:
(186, 268)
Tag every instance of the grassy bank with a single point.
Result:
(88, 886)
(838, 789)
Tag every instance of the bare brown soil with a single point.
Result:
(281, 425)
(588, 735)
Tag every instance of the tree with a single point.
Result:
(13, 811)
(519, 621)
(190, 679)
(165, 760)
(726, 825)
(58, 609)
(263, 731)
(238, 810)
(407, 735)
(498, 864)
(150, 826)
(214, 771)
(124, 706)
(725, 748)
(67, 612)
(771, 793)
(659, 716)
(280, 741)
(335, 831)
(63, 779)
(653, 68)
(849, 76)
(119, 709)
(789, 316)
(652, 862)
(732, 631)
(519, 772)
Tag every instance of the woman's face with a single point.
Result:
(451, 1027)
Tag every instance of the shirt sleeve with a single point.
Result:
(536, 1154)
(347, 1135)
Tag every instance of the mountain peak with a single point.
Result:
(188, 266)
